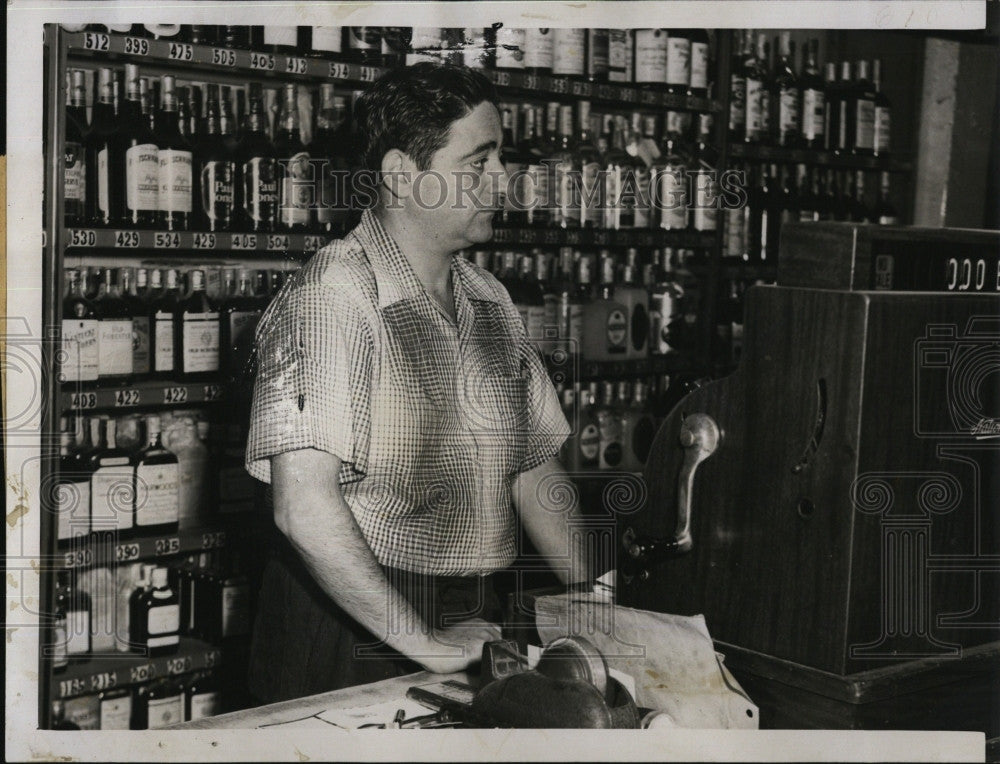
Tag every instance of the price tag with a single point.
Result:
(368, 74)
(126, 552)
(125, 398)
(83, 401)
(127, 239)
(502, 79)
(296, 65)
(71, 687)
(79, 558)
(167, 240)
(531, 82)
(223, 57)
(179, 665)
(502, 235)
(312, 243)
(262, 61)
(142, 673)
(586, 89)
(339, 71)
(175, 394)
(213, 540)
(96, 41)
(170, 545)
(212, 392)
(181, 51)
(103, 681)
(559, 84)
(82, 237)
(277, 241)
(204, 241)
(244, 241)
(136, 46)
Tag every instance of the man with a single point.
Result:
(399, 411)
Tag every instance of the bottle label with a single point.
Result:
(671, 198)
(734, 232)
(204, 704)
(78, 632)
(534, 188)
(865, 125)
(699, 65)
(755, 91)
(74, 176)
(737, 102)
(614, 202)
(79, 356)
(162, 712)
(116, 713)
(597, 53)
(617, 330)
(102, 184)
(678, 61)
(242, 325)
(539, 48)
(882, 124)
(567, 55)
(73, 508)
(200, 335)
(650, 56)
(706, 200)
(142, 178)
(327, 39)
(591, 211)
(115, 345)
(235, 610)
(140, 345)
(510, 48)
(275, 35)
(610, 442)
(164, 619)
(156, 494)
(217, 190)
(566, 204)
(788, 111)
(260, 189)
(813, 114)
(112, 491)
(617, 54)
(643, 202)
(296, 190)
(590, 442)
(175, 180)
(163, 355)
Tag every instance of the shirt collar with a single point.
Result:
(395, 279)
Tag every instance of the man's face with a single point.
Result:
(459, 194)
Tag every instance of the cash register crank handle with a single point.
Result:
(700, 436)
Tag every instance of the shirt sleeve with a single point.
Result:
(313, 382)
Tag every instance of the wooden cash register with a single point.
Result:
(832, 507)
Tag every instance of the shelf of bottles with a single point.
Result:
(206, 242)
(117, 396)
(824, 158)
(98, 549)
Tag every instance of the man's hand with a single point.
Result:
(441, 655)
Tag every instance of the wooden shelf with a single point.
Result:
(782, 155)
(96, 396)
(89, 239)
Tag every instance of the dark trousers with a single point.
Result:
(304, 644)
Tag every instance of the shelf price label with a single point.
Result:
(368, 74)
(605, 92)
(531, 82)
(629, 94)
(104, 680)
(339, 71)
(181, 51)
(142, 673)
(179, 665)
(213, 540)
(560, 85)
(212, 392)
(262, 61)
(295, 65)
(129, 239)
(70, 687)
(647, 98)
(223, 57)
(550, 236)
(244, 241)
(83, 401)
(501, 79)
(124, 398)
(204, 241)
(576, 88)
(82, 237)
(212, 658)
(175, 394)
(312, 243)
(126, 552)
(525, 236)
(167, 240)
(572, 237)
(96, 41)
(170, 545)
(78, 558)
(136, 46)
(277, 241)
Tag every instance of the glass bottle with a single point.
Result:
(79, 357)
(175, 158)
(114, 330)
(157, 482)
(785, 101)
(813, 109)
(215, 171)
(74, 153)
(196, 332)
(135, 162)
(257, 171)
(295, 171)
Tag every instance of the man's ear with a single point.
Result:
(397, 174)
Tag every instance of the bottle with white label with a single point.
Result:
(112, 482)
(103, 193)
(861, 112)
(509, 48)
(568, 52)
(596, 60)
(605, 318)
(609, 423)
(328, 41)
(618, 54)
(651, 57)
(164, 298)
(813, 109)
(699, 81)
(174, 153)
(196, 332)
(565, 185)
(280, 39)
(79, 355)
(539, 50)
(74, 166)
(203, 696)
(885, 213)
(157, 617)
(72, 493)
(140, 173)
(296, 189)
(115, 708)
(224, 600)
(157, 478)
(135, 294)
(114, 336)
(636, 300)
(158, 704)
(579, 451)
(883, 112)
(668, 182)
(678, 74)
(74, 604)
(785, 101)
(705, 197)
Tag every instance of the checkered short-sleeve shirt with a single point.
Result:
(431, 420)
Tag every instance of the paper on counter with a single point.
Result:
(352, 718)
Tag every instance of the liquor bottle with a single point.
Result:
(758, 97)
(828, 199)
(79, 357)
(327, 42)
(668, 181)
(587, 160)
(678, 74)
(618, 55)
(135, 162)
(158, 704)
(190, 107)
(885, 213)
(329, 144)
(71, 497)
(214, 171)
(861, 111)
(883, 113)
(638, 429)
(509, 50)
(281, 39)
(837, 189)
(203, 696)
(59, 720)
(224, 599)
(738, 87)
(114, 337)
(74, 151)
(563, 290)
(239, 322)
(665, 310)
(785, 100)
(838, 98)
(199, 34)
(635, 298)
(762, 220)
(395, 42)
(194, 468)
(543, 276)
(515, 164)
(565, 192)
(531, 303)
(163, 298)
(641, 138)
(234, 36)
(860, 211)
(568, 52)
(596, 67)
(730, 324)
(616, 163)
(650, 58)
(808, 198)
(703, 177)
(539, 50)
(698, 83)
(475, 47)
(294, 168)
(155, 617)
(609, 425)
(813, 109)
(156, 484)
(574, 308)
(149, 102)
(102, 195)
(789, 210)
(605, 318)
(257, 171)
(112, 487)
(196, 332)
(73, 604)
(135, 296)
(580, 450)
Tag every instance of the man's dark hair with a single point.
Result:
(411, 108)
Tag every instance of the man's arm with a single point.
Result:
(310, 510)
(551, 517)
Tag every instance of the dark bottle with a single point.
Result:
(114, 336)
(860, 211)
(135, 163)
(698, 84)
(79, 359)
(158, 704)
(532, 304)
(759, 213)
(240, 315)
(813, 109)
(224, 600)
(883, 112)
(785, 101)
(59, 720)
(257, 171)
(74, 605)
(295, 187)
(104, 192)
(808, 198)
(789, 196)
(157, 624)
(828, 203)
(838, 100)
(74, 151)
(203, 696)
(163, 310)
(837, 188)
(515, 163)
(72, 494)
(196, 332)
(364, 45)
(758, 94)
(157, 482)
(329, 146)
(703, 173)
(395, 42)
(738, 87)
(214, 171)
(175, 164)
(597, 55)
(861, 112)
(885, 213)
(134, 295)
(149, 101)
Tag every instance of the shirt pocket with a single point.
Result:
(497, 405)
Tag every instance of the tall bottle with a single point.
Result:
(568, 314)
(112, 485)
(808, 198)
(136, 161)
(539, 50)
(175, 164)
(156, 617)
(515, 164)
(295, 171)
(532, 192)
(156, 484)
(619, 55)
(587, 160)
(651, 58)
(862, 113)
(596, 67)
(203, 697)
(699, 79)
(257, 171)
(605, 318)
(678, 74)
(74, 154)
(636, 301)
(883, 112)
(79, 357)
(574, 309)
(580, 450)
(240, 316)
(74, 605)
(758, 93)
(738, 87)
(860, 211)
(736, 212)
(703, 177)
(619, 181)
(364, 45)
(568, 51)
(103, 191)
(668, 181)
(214, 171)
(885, 213)
(610, 428)
(565, 189)
(196, 332)
(838, 103)
(638, 429)
(72, 493)
(163, 305)
(114, 330)
(329, 144)
(813, 109)
(135, 295)
(665, 310)
(785, 101)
